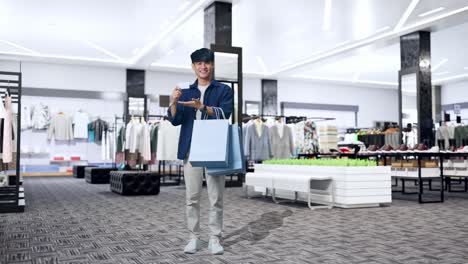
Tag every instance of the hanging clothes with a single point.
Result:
(281, 141)
(40, 117)
(443, 133)
(26, 117)
(461, 136)
(327, 138)
(80, 124)
(108, 145)
(154, 137)
(133, 137)
(7, 131)
(90, 132)
(257, 143)
(98, 126)
(14, 133)
(168, 140)
(145, 142)
(60, 128)
(121, 140)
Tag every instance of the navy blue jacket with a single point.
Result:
(216, 94)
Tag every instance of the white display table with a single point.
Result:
(352, 186)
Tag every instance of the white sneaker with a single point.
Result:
(434, 149)
(193, 246)
(215, 247)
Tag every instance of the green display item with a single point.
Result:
(323, 162)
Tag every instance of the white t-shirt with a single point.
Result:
(80, 120)
(202, 90)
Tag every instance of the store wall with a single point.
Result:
(37, 149)
(375, 104)
(454, 93)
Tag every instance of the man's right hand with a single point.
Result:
(176, 94)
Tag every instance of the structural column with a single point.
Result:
(135, 90)
(218, 24)
(416, 59)
(269, 97)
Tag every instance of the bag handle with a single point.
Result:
(218, 111)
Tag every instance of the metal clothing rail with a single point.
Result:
(11, 83)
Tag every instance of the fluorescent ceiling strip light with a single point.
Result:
(460, 76)
(180, 21)
(184, 5)
(327, 15)
(105, 51)
(18, 46)
(262, 64)
(406, 15)
(367, 41)
(437, 66)
(52, 56)
(323, 55)
(381, 30)
(431, 12)
(424, 23)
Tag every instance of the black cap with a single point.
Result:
(202, 55)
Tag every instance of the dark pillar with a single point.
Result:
(269, 97)
(416, 58)
(437, 103)
(218, 24)
(135, 90)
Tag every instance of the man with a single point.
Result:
(197, 102)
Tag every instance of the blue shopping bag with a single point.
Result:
(210, 139)
(236, 155)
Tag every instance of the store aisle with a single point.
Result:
(69, 221)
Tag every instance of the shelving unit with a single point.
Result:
(12, 198)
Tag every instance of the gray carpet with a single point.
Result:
(70, 221)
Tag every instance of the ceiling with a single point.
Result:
(353, 41)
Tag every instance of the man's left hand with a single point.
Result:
(195, 103)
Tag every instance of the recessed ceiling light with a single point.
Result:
(170, 52)
(431, 12)
(135, 51)
(466, 68)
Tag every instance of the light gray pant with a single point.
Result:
(193, 184)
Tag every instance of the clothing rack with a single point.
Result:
(162, 164)
(12, 197)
